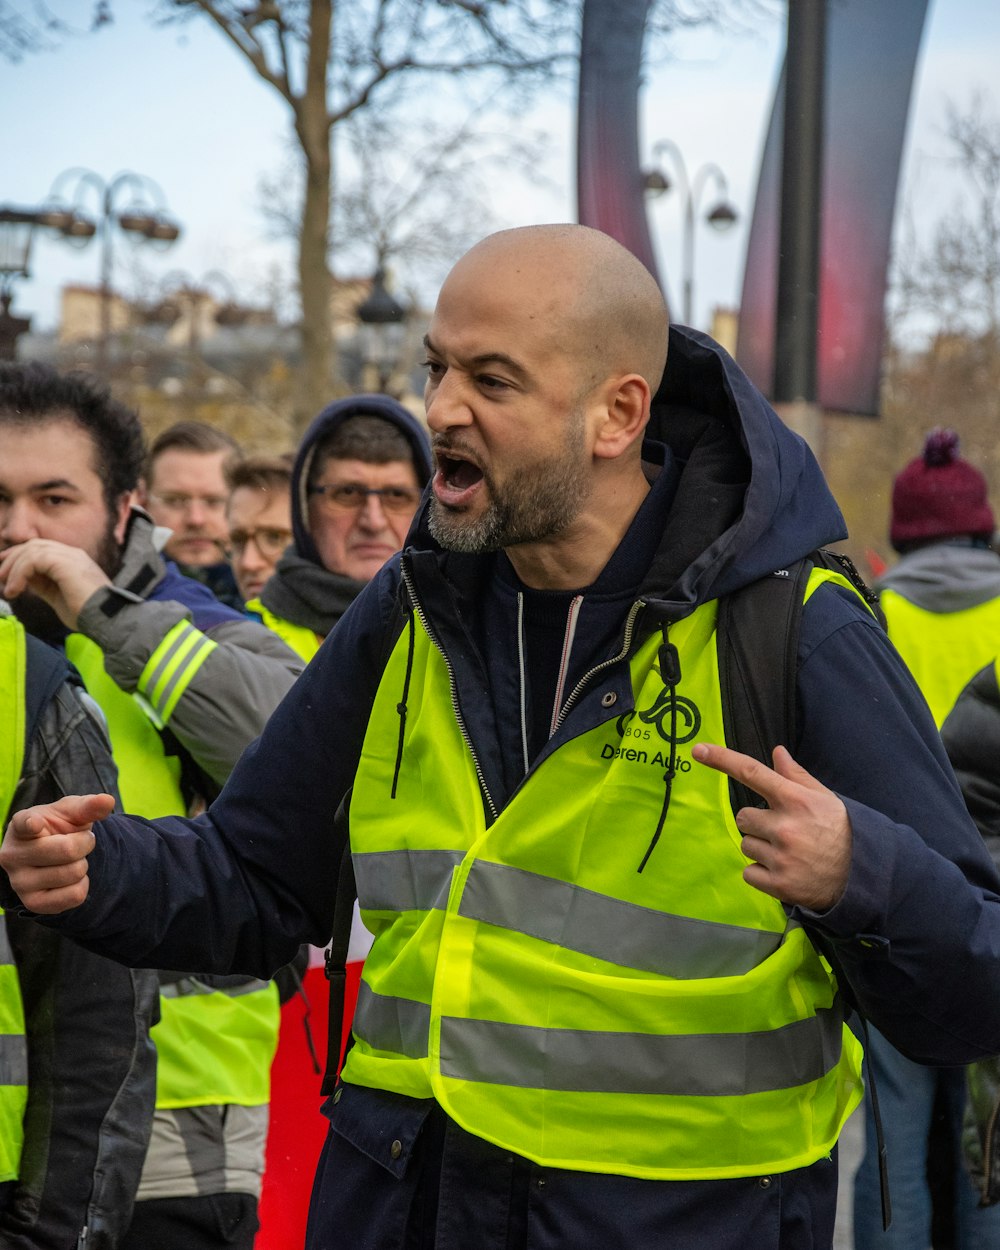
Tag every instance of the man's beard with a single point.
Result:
(42, 621)
(535, 505)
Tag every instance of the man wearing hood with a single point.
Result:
(595, 1013)
(356, 483)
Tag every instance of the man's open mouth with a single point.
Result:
(458, 474)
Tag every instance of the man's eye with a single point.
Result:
(349, 493)
(490, 383)
(54, 501)
(434, 367)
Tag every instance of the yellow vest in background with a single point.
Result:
(212, 1046)
(943, 650)
(303, 641)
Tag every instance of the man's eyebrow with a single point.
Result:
(486, 358)
(56, 483)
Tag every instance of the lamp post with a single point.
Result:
(383, 326)
(721, 216)
(189, 300)
(143, 216)
(17, 232)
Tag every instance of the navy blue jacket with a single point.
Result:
(736, 495)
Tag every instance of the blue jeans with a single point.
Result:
(907, 1095)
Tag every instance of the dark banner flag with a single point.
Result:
(608, 175)
(871, 59)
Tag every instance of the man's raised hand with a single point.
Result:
(801, 842)
(63, 575)
(45, 851)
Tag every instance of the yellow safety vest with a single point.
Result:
(943, 650)
(303, 641)
(213, 1046)
(672, 1024)
(13, 1044)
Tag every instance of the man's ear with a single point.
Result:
(121, 513)
(625, 404)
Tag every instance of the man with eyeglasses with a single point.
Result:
(356, 482)
(259, 518)
(184, 489)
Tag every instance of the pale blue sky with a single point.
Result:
(180, 106)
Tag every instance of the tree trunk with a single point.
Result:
(317, 382)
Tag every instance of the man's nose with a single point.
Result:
(250, 557)
(17, 523)
(372, 516)
(446, 404)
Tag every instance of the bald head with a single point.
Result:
(580, 287)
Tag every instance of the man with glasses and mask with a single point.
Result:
(357, 479)
(184, 490)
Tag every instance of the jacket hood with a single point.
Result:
(949, 576)
(333, 415)
(750, 496)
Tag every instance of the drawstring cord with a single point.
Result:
(300, 989)
(401, 705)
(670, 672)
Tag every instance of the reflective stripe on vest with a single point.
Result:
(303, 641)
(13, 1045)
(943, 650)
(671, 1024)
(212, 1048)
(172, 666)
(558, 911)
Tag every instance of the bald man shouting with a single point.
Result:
(599, 1009)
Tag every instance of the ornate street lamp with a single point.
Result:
(383, 329)
(17, 232)
(721, 216)
(143, 218)
(194, 306)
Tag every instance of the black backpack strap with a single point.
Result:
(845, 566)
(336, 955)
(757, 639)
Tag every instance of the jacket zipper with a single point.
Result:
(422, 617)
(585, 679)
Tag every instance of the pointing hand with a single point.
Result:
(45, 849)
(801, 842)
